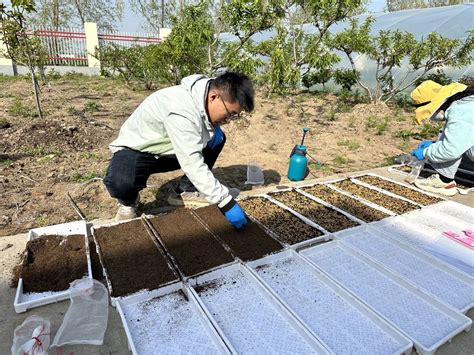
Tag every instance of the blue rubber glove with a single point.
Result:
(425, 144)
(234, 214)
(216, 139)
(418, 153)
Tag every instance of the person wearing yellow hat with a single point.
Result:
(453, 103)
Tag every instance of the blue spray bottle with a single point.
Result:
(298, 160)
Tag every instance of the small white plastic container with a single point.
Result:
(24, 301)
(254, 174)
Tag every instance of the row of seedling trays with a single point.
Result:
(188, 282)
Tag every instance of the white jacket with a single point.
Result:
(174, 121)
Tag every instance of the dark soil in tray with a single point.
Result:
(187, 240)
(51, 262)
(406, 192)
(287, 227)
(326, 217)
(248, 244)
(391, 203)
(131, 258)
(346, 203)
(96, 266)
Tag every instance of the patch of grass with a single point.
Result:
(18, 109)
(388, 160)
(46, 159)
(429, 131)
(351, 145)
(404, 145)
(91, 106)
(42, 221)
(332, 116)
(72, 110)
(340, 160)
(343, 107)
(5, 160)
(90, 156)
(379, 124)
(83, 177)
(41, 152)
(352, 121)
(404, 134)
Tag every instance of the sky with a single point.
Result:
(131, 22)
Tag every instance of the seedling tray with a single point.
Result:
(345, 324)
(345, 202)
(24, 301)
(127, 260)
(453, 209)
(168, 320)
(428, 322)
(408, 192)
(285, 225)
(404, 230)
(319, 212)
(449, 286)
(382, 198)
(250, 317)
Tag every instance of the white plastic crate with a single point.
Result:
(332, 314)
(24, 301)
(415, 233)
(449, 286)
(168, 321)
(428, 322)
(250, 318)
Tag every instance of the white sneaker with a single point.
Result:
(126, 212)
(434, 184)
(187, 199)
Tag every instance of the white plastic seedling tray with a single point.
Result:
(415, 233)
(24, 301)
(114, 300)
(358, 198)
(407, 185)
(453, 209)
(448, 285)
(345, 324)
(428, 322)
(250, 317)
(168, 321)
(440, 221)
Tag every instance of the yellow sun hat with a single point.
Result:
(429, 96)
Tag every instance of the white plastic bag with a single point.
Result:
(254, 174)
(31, 337)
(85, 321)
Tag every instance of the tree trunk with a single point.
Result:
(35, 87)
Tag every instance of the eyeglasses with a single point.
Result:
(230, 115)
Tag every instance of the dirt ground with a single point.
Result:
(44, 160)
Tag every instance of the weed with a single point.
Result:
(18, 109)
(343, 107)
(332, 116)
(379, 124)
(90, 155)
(91, 106)
(46, 159)
(71, 110)
(351, 145)
(404, 145)
(340, 160)
(42, 221)
(53, 75)
(404, 134)
(83, 177)
(389, 160)
(352, 121)
(429, 131)
(5, 160)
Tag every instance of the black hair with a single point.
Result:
(235, 87)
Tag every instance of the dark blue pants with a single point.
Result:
(129, 171)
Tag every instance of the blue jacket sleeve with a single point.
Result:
(458, 133)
